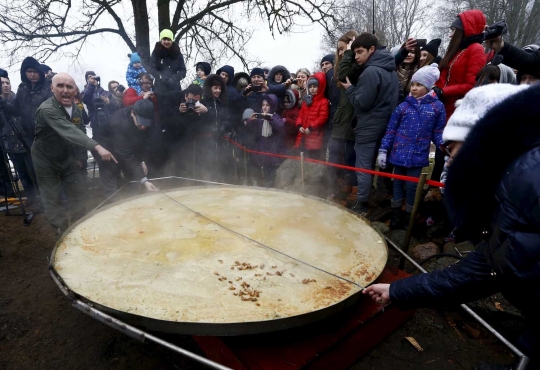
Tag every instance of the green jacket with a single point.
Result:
(345, 112)
(59, 140)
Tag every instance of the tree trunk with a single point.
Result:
(164, 14)
(142, 30)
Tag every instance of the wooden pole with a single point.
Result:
(302, 171)
(417, 200)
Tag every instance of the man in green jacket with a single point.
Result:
(55, 149)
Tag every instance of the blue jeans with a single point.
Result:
(365, 158)
(405, 189)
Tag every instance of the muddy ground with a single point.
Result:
(40, 330)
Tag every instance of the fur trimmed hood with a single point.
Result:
(293, 95)
(276, 69)
(211, 81)
(506, 132)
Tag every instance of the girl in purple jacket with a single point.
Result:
(415, 123)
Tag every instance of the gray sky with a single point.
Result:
(107, 54)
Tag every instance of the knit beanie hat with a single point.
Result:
(432, 47)
(4, 73)
(134, 58)
(474, 106)
(166, 34)
(313, 81)
(247, 113)
(89, 73)
(257, 72)
(206, 67)
(507, 75)
(328, 58)
(458, 24)
(427, 76)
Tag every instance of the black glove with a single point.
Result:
(439, 92)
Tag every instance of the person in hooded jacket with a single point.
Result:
(203, 70)
(210, 158)
(32, 91)
(134, 69)
(234, 99)
(268, 133)
(277, 77)
(463, 60)
(374, 98)
(167, 64)
(290, 117)
(504, 217)
(11, 134)
(313, 117)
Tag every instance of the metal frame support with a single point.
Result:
(523, 360)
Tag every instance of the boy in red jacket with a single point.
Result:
(290, 116)
(313, 117)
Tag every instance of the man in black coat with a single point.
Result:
(507, 211)
(332, 93)
(181, 114)
(126, 136)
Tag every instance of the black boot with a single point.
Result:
(360, 207)
(395, 220)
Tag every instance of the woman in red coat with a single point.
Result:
(463, 60)
(312, 117)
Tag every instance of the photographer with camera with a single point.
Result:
(146, 82)
(256, 89)
(514, 57)
(181, 114)
(99, 103)
(10, 137)
(117, 93)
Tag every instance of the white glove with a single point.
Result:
(381, 159)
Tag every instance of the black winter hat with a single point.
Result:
(144, 110)
(89, 73)
(432, 47)
(458, 24)
(4, 73)
(257, 72)
(206, 67)
(328, 58)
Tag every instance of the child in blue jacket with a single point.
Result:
(415, 123)
(135, 68)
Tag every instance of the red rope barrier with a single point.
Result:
(371, 172)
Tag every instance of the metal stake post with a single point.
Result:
(417, 200)
(245, 165)
(302, 171)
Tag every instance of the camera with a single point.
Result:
(497, 29)
(97, 78)
(121, 88)
(294, 81)
(256, 88)
(190, 104)
(263, 116)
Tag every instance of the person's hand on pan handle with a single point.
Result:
(380, 293)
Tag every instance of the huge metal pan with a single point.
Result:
(175, 202)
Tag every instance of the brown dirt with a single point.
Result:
(40, 330)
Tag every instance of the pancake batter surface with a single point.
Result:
(152, 257)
